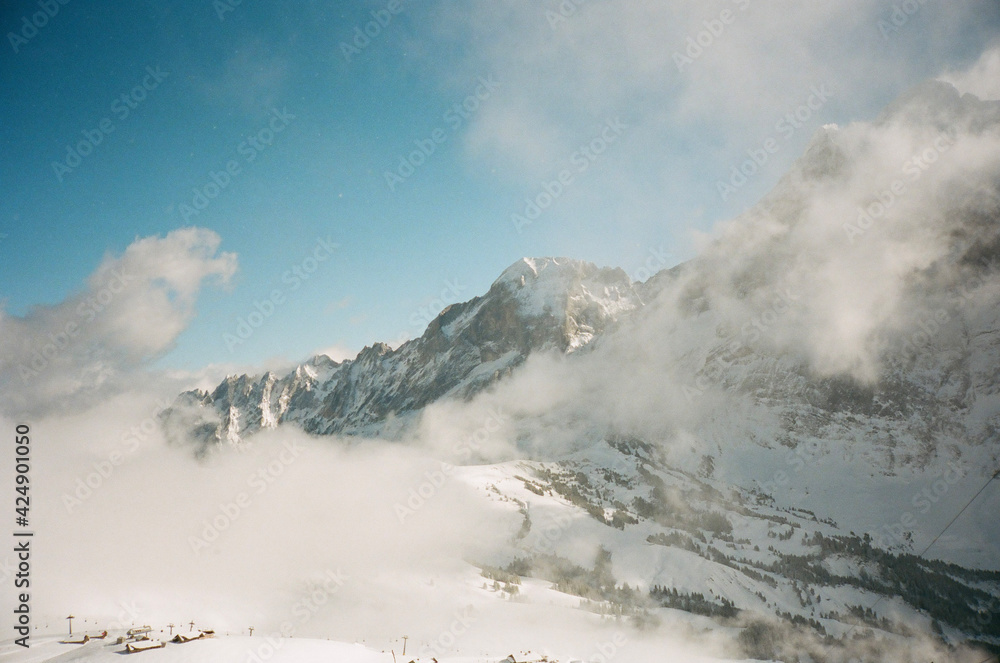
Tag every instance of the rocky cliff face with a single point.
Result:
(537, 305)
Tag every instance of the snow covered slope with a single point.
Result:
(587, 640)
(617, 516)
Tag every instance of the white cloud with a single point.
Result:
(235, 539)
(338, 352)
(981, 79)
(619, 58)
(131, 311)
(561, 83)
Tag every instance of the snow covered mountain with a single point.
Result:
(536, 305)
(638, 538)
(782, 426)
(779, 309)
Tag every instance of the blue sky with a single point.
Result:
(346, 117)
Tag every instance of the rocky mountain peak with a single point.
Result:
(537, 304)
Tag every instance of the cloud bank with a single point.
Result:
(878, 228)
(698, 84)
(130, 312)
